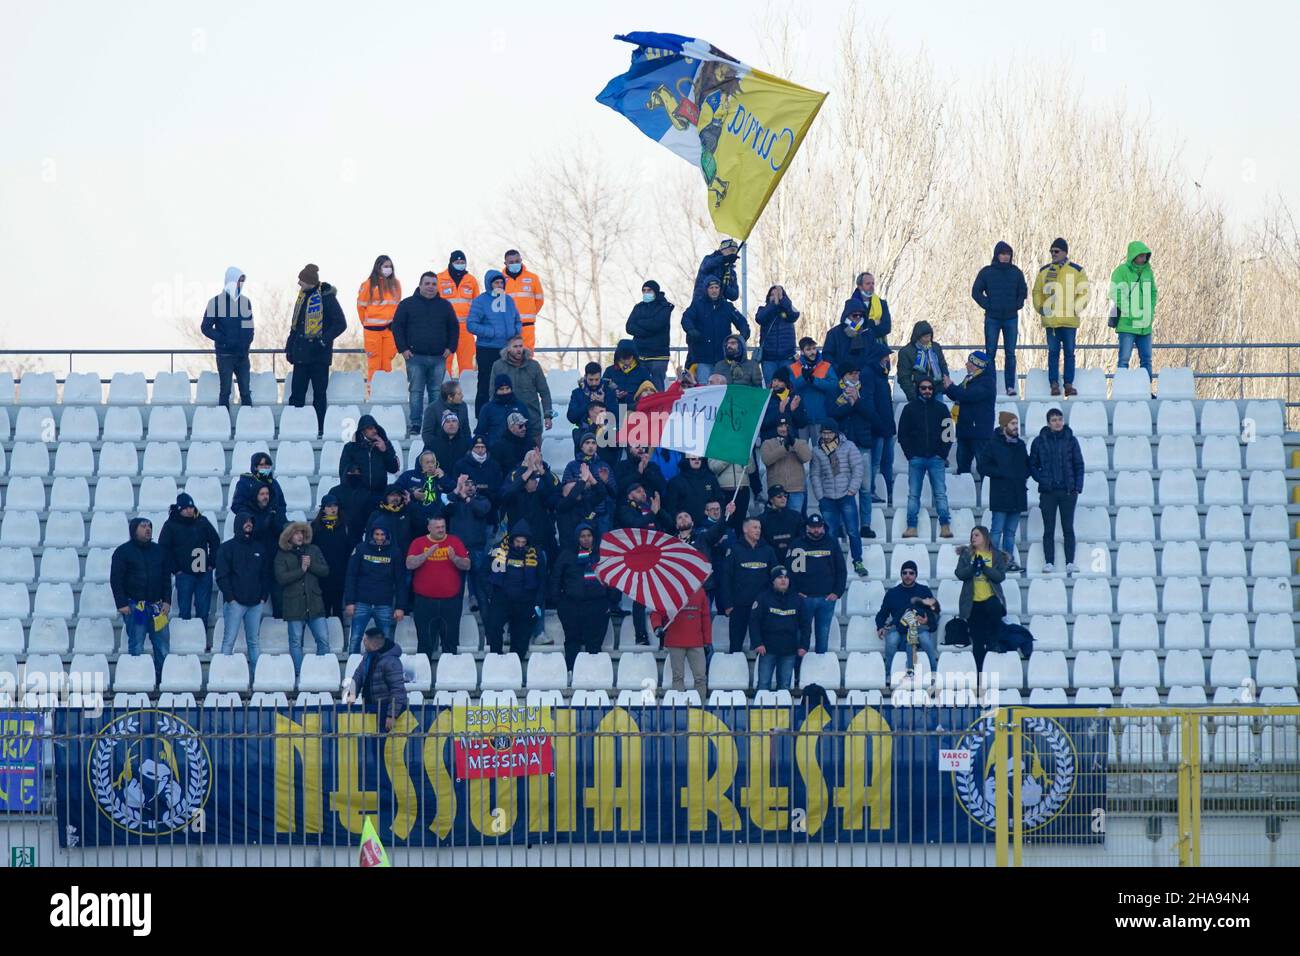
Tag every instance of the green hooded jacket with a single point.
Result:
(1133, 290)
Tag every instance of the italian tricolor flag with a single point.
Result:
(712, 421)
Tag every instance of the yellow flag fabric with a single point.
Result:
(372, 850)
(739, 126)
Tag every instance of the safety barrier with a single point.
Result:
(846, 784)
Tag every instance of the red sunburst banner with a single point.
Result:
(652, 568)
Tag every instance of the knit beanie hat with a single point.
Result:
(979, 359)
(1004, 417)
(908, 566)
(310, 274)
(1060, 244)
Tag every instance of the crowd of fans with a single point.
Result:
(484, 519)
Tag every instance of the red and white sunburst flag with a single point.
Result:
(654, 569)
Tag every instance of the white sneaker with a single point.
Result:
(1049, 569)
(1071, 568)
(543, 639)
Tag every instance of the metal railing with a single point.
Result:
(785, 785)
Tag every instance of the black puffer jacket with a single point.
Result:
(574, 575)
(1000, 288)
(425, 326)
(138, 572)
(649, 325)
(692, 489)
(1056, 461)
(1006, 465)
(375, 465)
(380, 680)
(185, 540)
(241, 567)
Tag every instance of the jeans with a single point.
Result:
(820, 611)
(383, 615)
(233, 613)
(702, 372)
(796, 500)
(781, 665)
(658, 369)
(1056, 340)
(1051, 502)
(480, 566)
(484, 356)
(868, 486)
(1003, 529)
(968, 452)
(193, 591)
(882, 463)
(841, 514)
(1010, 332)
(318, 631)
(917, 469)
(136, 633)
(769, 369)
(437, 624)
(896, 640)
(237, 366)
(424, 375)
(1143, 342)
(316, 374)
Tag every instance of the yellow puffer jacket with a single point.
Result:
(1060, 294)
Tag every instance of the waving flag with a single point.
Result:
(652, 568)
(739, 126)
(712, 421)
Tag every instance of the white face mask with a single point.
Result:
(515, 268)
(386, 271)
(479, 457)
(647, 296)
(458, 266)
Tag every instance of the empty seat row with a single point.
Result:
(175, 388)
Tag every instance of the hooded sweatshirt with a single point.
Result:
(717, 265)
(240, 565)
(336, 542)
(356, 501)
(228, 318)
(375, 465)
(493, 317)
(707, 324)
(574, 577)
(777, 623)
(776, 323)
(493, 419)
(650, 324)
(739, 369)
(376, 573)
(1133, 290)
(247, 487)
(138, 571)
(999, 287)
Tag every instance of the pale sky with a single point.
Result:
(148, 145)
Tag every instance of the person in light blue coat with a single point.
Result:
(493, 320)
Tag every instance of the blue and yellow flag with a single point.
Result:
(739, 126)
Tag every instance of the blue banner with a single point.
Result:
(21, 769)
(646, 775)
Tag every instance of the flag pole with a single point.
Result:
(744, 279)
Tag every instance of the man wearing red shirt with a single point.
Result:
(437, 561)
(686, 637)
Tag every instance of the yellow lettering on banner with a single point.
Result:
(405, 802)
(768, 804)
(566, 784)
(860, 795)
(350, 803)
(608, 793)
(805, 758)
(493, 817)
(301, 741)
(704, 794)
(439, 774)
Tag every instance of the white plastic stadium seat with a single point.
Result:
(274, 673)
(228, 673)
(391, 387)
(35, 424)
(1138, 632)
(1130, 383)
(1265, 417)
(128, 388)
(1184, 668)
(1133, 452)
(1180, 523)
(1268, 523)
(545, 671)
(254, 423)
(1132, 418)
(211, 423)
(1090, 383)
(1176, 418)
(726, 672)
(1222, 488)
(32, 460)
(1176, 383)
(823, 669)
(1139, 669)
(1182, 595)
(1272, 596)
(18, 566)
(162, 459)
(37, 388)
(79, 424)
(265, 389)
(1179, 487)
(1227, 631)
(593, 672)
(1134, 488)
(1093, 669)
(1175, 451)
(1220, 418)
(1266, 488)
(182, 674)
(455, 672)
(347, 387)
(1227, 596)
(67, 529)
(1265, 453)
(135, 674)
(171, 388)
(1087, 419)
(27, 494)
(20, 529)
(298, 423)
(1132, 524)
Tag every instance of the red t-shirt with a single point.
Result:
(437, 577)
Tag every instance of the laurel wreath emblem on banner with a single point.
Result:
(970, 785)
(111, 801)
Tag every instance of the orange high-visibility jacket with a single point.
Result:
(375, 307)
(460, 296)
(526, 290)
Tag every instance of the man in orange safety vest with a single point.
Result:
(526, 289)
(460, 289)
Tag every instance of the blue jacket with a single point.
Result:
(376, 575)
(380, 679)
(707, 325)
(897, 602)
(229, 323)
(876, 379)
(580, 399)
(842, 345)
(776, 330)
(999, 289)
(717, 266)
(977, 396)
(1056, 461)
(817, 386)
(493, 319)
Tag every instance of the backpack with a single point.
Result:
(957, 633)
(1016, 637)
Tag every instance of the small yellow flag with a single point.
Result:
(372, 851)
